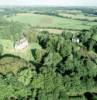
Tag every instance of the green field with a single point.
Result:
(37, 20)
(79, 16)
(8, 48)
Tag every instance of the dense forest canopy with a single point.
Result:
(67, 69)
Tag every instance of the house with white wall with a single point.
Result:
(21, 44)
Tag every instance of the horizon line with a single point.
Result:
(47, 6)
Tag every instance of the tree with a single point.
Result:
(84, 36)
(38, 54)
(66, 49)
(52, 59)
(43, 38)
(52, 44)
(53, 82)
(25, 76)
(11, 87)
(93, 30)
(67, 35)
(1, 49)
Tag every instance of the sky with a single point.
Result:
(50, 2)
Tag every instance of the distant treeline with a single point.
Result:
(18, 9)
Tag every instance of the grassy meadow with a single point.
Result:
(79, 16)
(37, 20)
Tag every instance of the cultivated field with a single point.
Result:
(47, 21)
(79, 16)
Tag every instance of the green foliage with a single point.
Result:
(8, 30)
(52, 43)
(31, 35)
(43, 38)
(66, 49)
(1, 49)
(10, 87)
(12, 64)
(38, 81)
(89, 38)
(67, 35)
(16, 30)
(52, 59)
(93, 29)
(25, 76)
(38, 54)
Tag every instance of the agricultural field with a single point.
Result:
(79, 16)
(47, 21)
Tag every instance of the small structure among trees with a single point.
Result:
(21, 44)
(75, 40)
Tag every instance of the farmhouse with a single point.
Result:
(21, 44)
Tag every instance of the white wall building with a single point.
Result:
(21, 44)
(75, 40)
